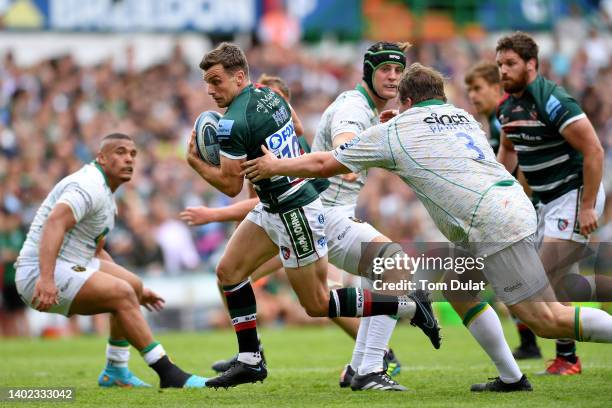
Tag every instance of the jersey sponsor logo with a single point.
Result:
(275, 142)
(512, 288)
(224, 128)
(286, 252)
(562, 224)
(353, 123)
(280, 116)
(66, 285)
(453, 119)
(299, 232)
(284, 137)
(350, 143)
(343, 233)
(78, 268)
(269, 101)
(521, 136)
(456, 121)
(321, 219)
(322, 242)
(553, 107)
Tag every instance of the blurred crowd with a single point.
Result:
(53, 114)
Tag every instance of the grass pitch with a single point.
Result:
(304, 366)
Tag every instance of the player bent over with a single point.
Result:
(441, 152)
(289, 220)
(57, 271)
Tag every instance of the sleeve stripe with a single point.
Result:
(229, 156)
(571, 120)
(338, 156)
(74, 212)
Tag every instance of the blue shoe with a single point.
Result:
(195, 381)
(391, 364)
(119, 377)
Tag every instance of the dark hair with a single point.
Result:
(117, 136)
(521, 43)
(486, 70)
(420, 83)
(276, 82)
(230, 56)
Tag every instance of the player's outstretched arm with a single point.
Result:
(225, 178)
(205, 215)
(59, 222)
(318, 164)
(339, 140)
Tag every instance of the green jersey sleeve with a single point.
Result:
(233, 138)
(562, 109)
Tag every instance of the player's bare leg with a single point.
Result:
(551, 319)
(104, 293)
(116, 371)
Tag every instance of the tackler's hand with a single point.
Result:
(260, 168)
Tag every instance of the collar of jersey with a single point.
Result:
(365, 93)
(533, 85)
(95, 163)
(428, 102)
(246, 89)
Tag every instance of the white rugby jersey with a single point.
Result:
(353, 111)
(93, 205)
(441, 152)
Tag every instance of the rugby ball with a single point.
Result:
(206, 141)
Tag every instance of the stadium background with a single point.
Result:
(71, 71)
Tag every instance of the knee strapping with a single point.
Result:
(386, 250)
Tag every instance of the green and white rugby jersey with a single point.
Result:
(92, 202)
(258, 116)
(442, 153)
(534, 123)
(353, 111)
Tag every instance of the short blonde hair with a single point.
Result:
(276, 82)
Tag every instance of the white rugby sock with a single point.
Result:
(593, 325)
(250, 357)
(405, 307)
(484, 324)
(117, 355)
(152, 353)
(377, 342)
(360, 342)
